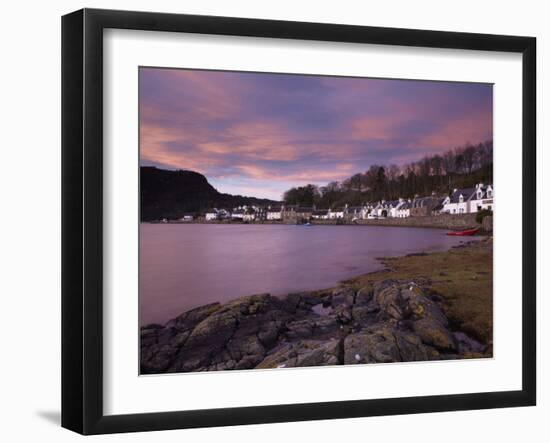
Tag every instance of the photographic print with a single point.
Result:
(304, 220)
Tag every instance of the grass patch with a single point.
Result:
(462, 277)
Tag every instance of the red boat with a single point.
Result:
(464, 233)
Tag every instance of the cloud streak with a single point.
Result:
(262, 133)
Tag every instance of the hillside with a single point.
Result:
(170, 194)
(461, 167)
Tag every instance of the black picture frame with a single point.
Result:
(82, 219)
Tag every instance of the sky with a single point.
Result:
(259, 134)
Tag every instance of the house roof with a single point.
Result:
(320, 212)
(467, 193)
(483, 192)
(420, 202)
(274, 209)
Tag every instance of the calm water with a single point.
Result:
(185, 266)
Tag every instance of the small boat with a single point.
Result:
(467, 232)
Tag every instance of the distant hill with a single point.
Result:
(170, 194)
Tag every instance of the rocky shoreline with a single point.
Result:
(388, 321)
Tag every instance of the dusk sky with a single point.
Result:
(261, 134)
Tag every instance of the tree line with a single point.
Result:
(463, 166)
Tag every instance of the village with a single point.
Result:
(460, 201)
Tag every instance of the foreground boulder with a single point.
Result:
(393, 321)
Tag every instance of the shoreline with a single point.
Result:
(445, 221)
(411, 305)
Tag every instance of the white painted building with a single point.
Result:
(223, 214)
(274, 213)
(483, 198)
(403, 210)
(469, 200)
(391, 207)
(377, 210)
(211, 215)
(237, 214)
(337, 213)
(249, 215)
(320, 214)
(356, 212)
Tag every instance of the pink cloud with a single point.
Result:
(473, 127)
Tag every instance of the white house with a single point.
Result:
(337, 213)
(187, 217)
(457, 202)
(223, 214)
(237, 214)
(320, 214)
(385, 208)
(274, 213)
(482, 199)
(249, 215)
(469, 200)
(359, 212)
(212, 214)
(377, 210)
(403, 210)
(391, 207)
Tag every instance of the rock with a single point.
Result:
(371, 347)
(303, 353)
(157, 359)
(434, 333)
(342, 314)
(363, 296)
(387, 294)
(269, 331)
(230, 335)
(467, 344)
(364, 315)
(384, 345)
(300, 329)
(343, 297)
(388, 322)
(190, 319)
(246, 350)
(325, 325)
(303, 300)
